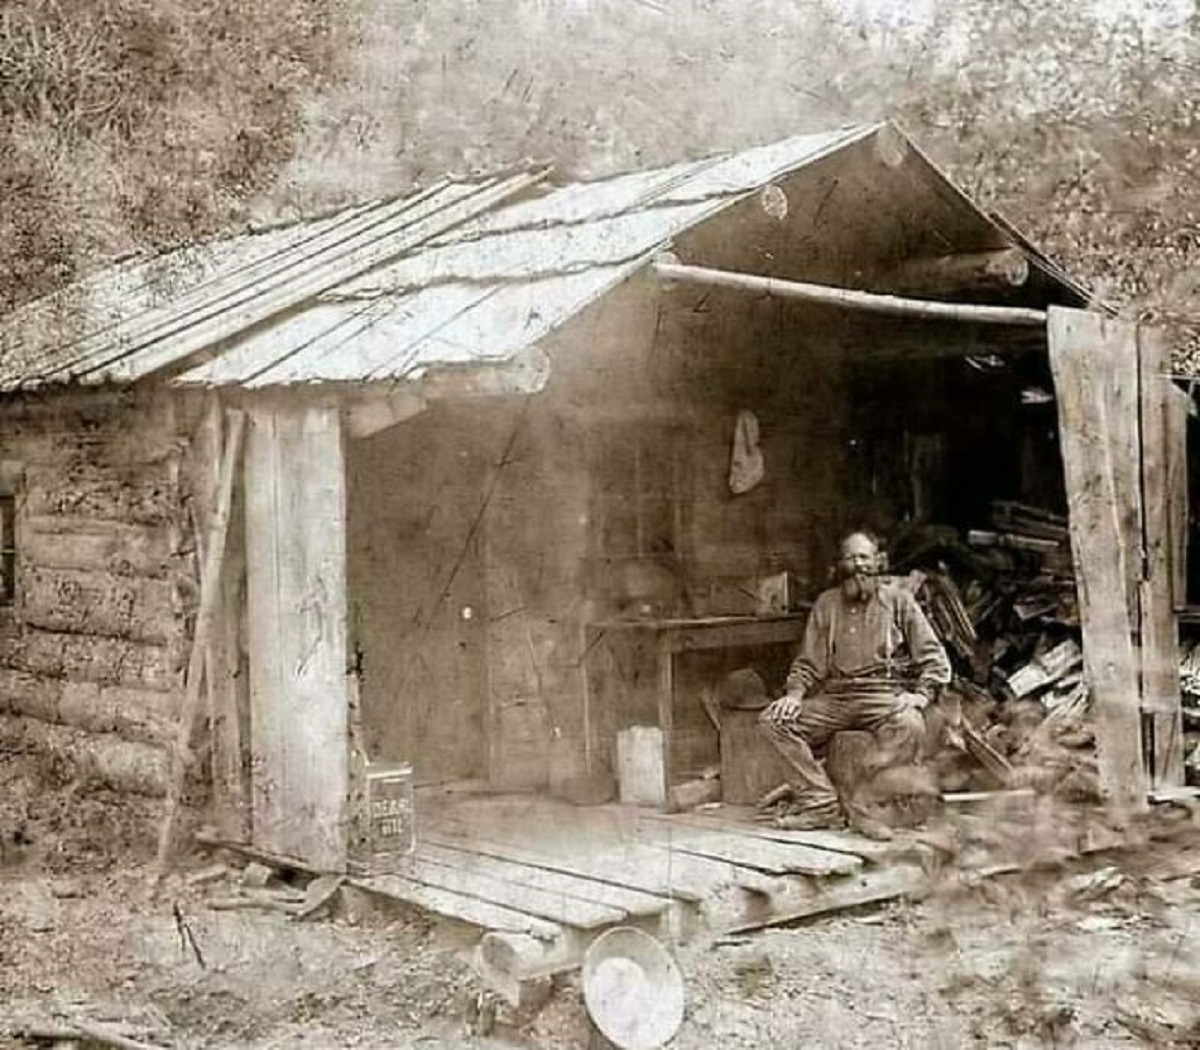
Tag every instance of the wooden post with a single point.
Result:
(1094, 363)
(1162, 445)
(853, 299)
(295, 512)
(214, 553)
(1175, 421)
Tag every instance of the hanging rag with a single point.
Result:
(746, 466)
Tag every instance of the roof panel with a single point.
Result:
(38, 337)
(580, 202)
(755, 168)
(394, 337)
(529, 253)
(461, 272)
(337, 341)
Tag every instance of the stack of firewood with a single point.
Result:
(1189, 687)
(1002, 600)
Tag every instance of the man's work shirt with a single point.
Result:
(883, 643)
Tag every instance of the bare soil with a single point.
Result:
(1098, 953)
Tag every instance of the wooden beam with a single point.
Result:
(1094, 364)
(1175, 421)
(975, 271)
(229, 687)
(1162, 445)
(852, 299)
(373, 414)
(214, 554)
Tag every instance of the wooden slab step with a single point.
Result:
(833, 841)
(457, 906)
(556, 907)
(798, 899)
(631, 901)
(761, 854)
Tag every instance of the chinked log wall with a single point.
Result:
(92, 651)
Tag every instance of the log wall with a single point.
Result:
(92, 649)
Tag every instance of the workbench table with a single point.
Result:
(630, 672)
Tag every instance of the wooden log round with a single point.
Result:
(1004, 269)
(136, 715)
(89, 658)
(100, 603)
(891, 148)
(146, 494)
(124, 766)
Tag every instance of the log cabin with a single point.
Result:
(445, 479)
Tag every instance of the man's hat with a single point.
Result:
(633, 989)
(743, 690)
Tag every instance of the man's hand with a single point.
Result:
(913, 701)
(784, 709)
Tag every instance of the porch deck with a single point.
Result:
(542, 878)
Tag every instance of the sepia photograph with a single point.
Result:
(599, 524)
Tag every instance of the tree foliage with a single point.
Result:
(138, 123)
(133, 123)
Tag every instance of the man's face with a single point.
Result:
(858, 566)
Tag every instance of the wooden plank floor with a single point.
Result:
(584, 869)
(545, 872)
(632, 903)
(462, 876)
(459, 907)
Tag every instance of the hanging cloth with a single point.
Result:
(746, 467)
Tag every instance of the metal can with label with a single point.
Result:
(391, 824)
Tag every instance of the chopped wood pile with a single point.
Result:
(1003, 601)
(1189, 687)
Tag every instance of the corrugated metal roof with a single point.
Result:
(459, 273)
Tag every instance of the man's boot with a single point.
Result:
(860, 818)
(870, 827)
(775, 795)
(824, 818)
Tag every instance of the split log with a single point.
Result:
(209, 839)
(250, 904)
(119, 444)
(96, 428)
(946, 274)
(139, 715)
(100, 603)
(1044, 670)
(106, 1036)
(71, 542)
(210, 592)
(146, 494)
(994, 763)
(87, 658)
(127, 767)
(1011, 541)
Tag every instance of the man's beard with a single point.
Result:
(859, 586)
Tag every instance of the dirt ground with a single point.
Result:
(1102, 953)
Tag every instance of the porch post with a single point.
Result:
(1094, 361)
(295, 510)
(1164, 462)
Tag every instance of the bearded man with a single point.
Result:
(869, 661)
